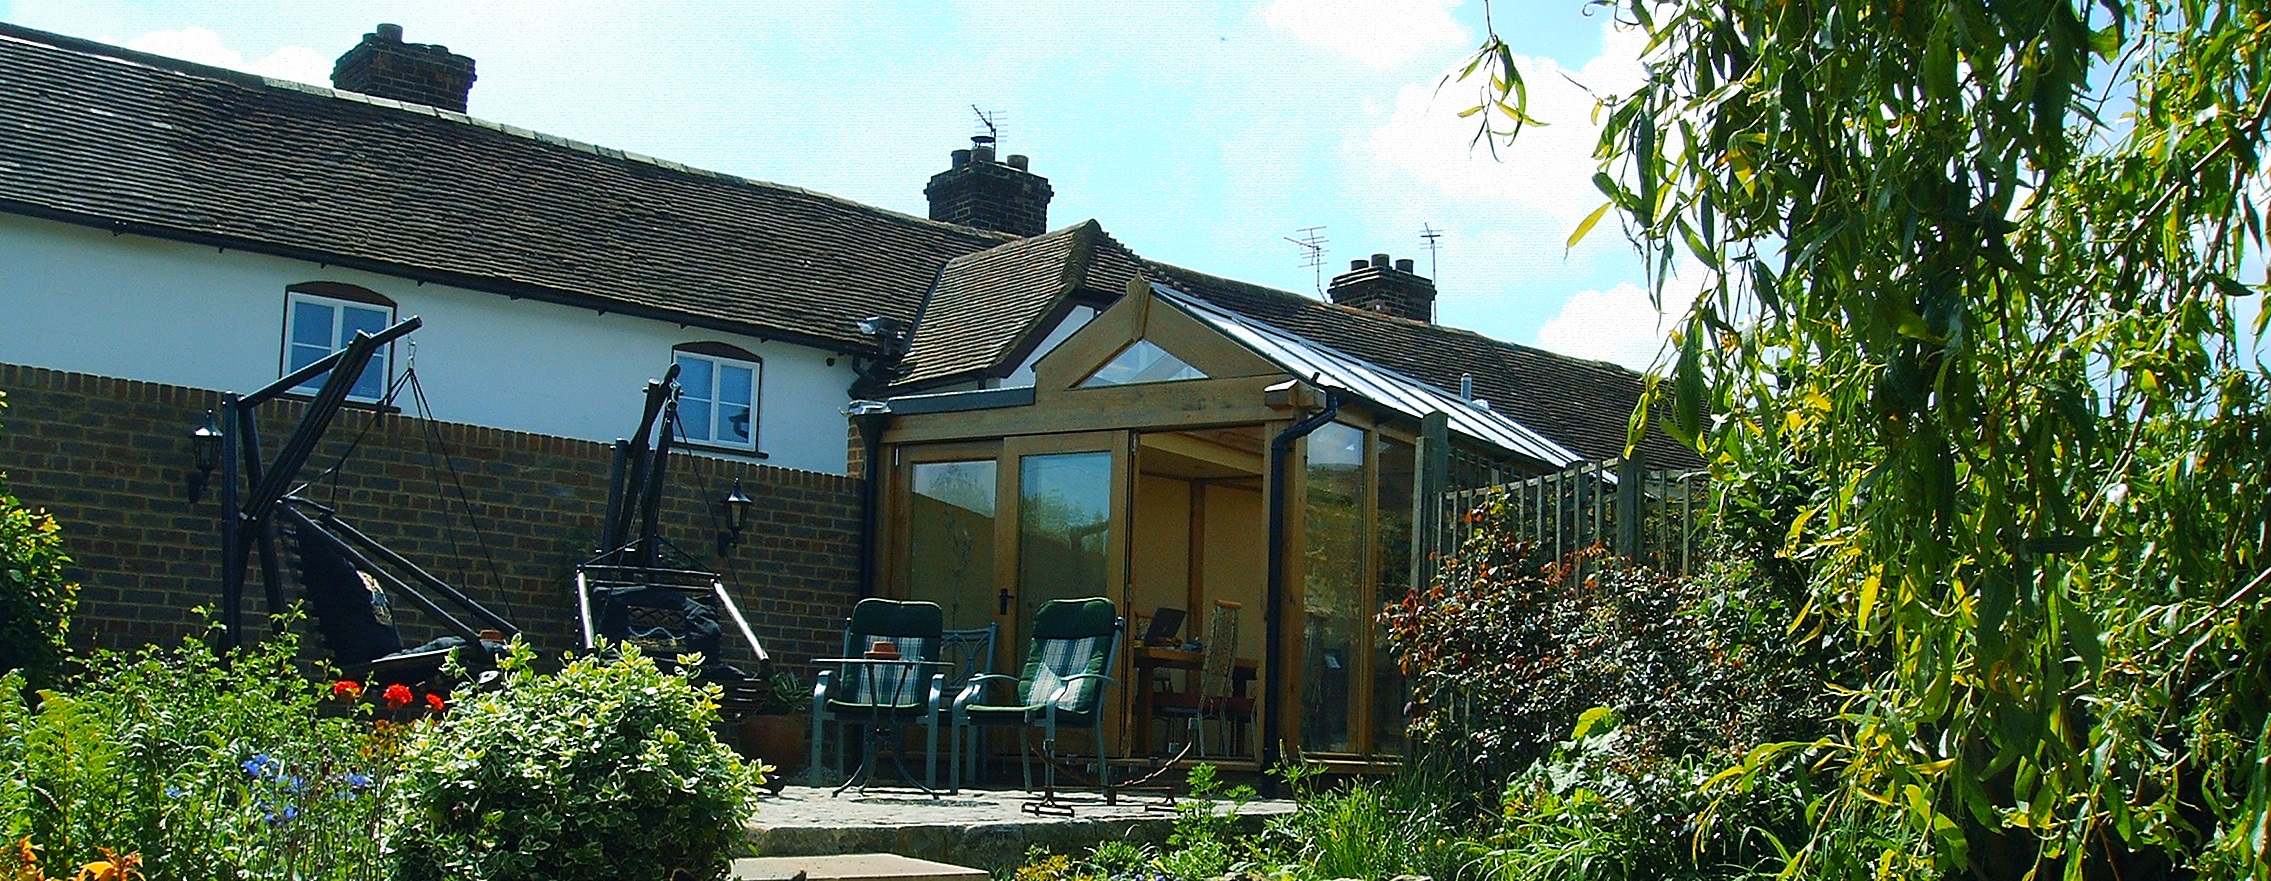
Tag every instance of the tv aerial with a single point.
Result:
(1311, 241)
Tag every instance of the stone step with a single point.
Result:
(850, 867)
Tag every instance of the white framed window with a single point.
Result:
(717, 399)
(321, 318)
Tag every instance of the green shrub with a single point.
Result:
(35, 599)
(605, 770)
(207, 768)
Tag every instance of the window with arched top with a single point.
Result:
(718, 394)
(321, 317)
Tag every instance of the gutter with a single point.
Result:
(1281, 450)
(872, 417)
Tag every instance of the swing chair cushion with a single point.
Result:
(657, 619)
(350, 608)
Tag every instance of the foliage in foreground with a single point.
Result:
(605, 770)
(191, 767)
(35, 599)
(1972, 266)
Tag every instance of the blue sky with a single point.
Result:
(1200, 134)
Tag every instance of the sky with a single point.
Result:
(1200, 134)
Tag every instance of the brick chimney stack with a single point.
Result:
(1393, 290)
(413, 73)
(979, 192)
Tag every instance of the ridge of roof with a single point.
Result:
(32, 36)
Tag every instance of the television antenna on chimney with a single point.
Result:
(1429, 234)
(991, 122)
(1311, 241)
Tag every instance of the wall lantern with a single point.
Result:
(205, 447)
(736, 506)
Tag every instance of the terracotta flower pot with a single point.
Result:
(777, 740)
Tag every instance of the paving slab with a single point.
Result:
(984, 829)
(850, 867)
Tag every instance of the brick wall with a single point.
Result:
(110, 457)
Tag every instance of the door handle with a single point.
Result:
(1004, 600)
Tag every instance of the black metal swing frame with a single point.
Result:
(631, 543)
(256, 498)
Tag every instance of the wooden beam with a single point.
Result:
(1185, 404)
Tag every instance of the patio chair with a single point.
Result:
(863, 695)
(1214, 698)
(1062, 686)
(971, 652)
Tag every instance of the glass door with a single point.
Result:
(1070, 536)
(951, 536)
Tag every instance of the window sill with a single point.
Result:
(349, 404)
(714, 449)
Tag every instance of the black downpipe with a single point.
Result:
(1273, 625)
(871, 498)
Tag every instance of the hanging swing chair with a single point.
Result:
(642, 590)
(351, 580)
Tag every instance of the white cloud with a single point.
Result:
(1549, 169)
(1379, 34)
(1617, 325)
(206, 47)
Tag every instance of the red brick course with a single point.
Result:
(110, 457)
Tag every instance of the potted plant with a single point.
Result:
(775, 730)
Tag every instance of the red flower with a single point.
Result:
(435, 701)
(346, 689)
(397, 696)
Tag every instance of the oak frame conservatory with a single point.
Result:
(1169, 454)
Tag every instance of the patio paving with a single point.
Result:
(977, 828)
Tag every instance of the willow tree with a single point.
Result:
(1979, 270)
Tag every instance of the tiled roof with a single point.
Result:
(138, 143)
(990, 308)
(1580, 404)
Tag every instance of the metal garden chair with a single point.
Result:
(1062, 686)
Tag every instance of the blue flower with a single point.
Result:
(175, 792)
(357, 780)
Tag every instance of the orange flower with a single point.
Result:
(346, 689)
(397, 696)
(112, 867)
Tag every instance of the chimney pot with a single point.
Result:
(1404, 265)
(1380, 260)
(983, 154)
(1356, 264)
(961, 158)
(391, 33)
(1019, 161)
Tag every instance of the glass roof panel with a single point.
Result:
(1141, 361)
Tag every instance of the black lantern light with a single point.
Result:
(205, 447)
(736, 506)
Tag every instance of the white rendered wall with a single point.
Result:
(79, 299)
(1022, 377)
